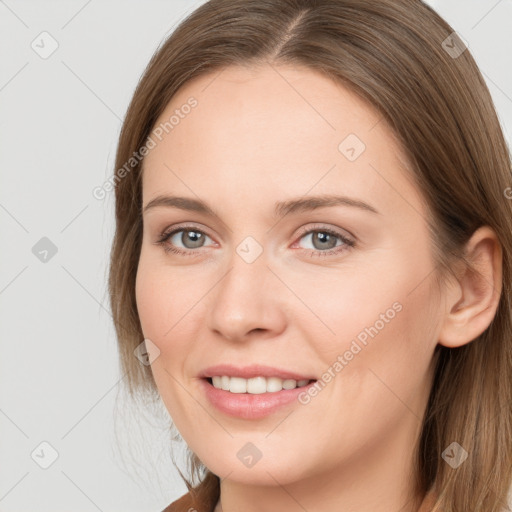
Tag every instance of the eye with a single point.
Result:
(325, 241)
(190, 237)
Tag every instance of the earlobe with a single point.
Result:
(472, 301)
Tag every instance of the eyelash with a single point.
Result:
(347, 242)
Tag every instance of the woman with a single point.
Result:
(377, 376)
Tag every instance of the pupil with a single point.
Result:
(324, 237)
(192, 235)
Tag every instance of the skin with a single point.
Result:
(267, 134)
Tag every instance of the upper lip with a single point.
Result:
(254, 370)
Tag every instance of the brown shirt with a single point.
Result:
(205, 496)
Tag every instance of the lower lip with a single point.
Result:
(251, 406)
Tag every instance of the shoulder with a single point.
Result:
(183, 504)
(202, 498)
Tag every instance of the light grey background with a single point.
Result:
(59, 123)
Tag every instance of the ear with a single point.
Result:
(472, 301)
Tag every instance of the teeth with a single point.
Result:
(256, 385)
(289, 384)
(237, 385)
(274, 384)
(224, 383)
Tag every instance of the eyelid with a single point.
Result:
(347, 241)
(319, 227)
(186, 227)
(302, 231)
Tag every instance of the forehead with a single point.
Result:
(274, 129)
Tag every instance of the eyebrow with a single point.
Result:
(282, 208)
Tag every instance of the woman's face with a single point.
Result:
(324, 289)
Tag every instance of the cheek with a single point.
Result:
(165, 302)
(388, 355)
(164, 298)
(151, 301)
(350, 304)
(160, 307)
(383, 323)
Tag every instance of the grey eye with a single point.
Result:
(190, 238)
(322, 240)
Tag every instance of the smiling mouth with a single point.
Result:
(256, 385)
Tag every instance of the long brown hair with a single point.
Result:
(407, 62)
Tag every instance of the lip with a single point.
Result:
(255, 370)
(247, 405)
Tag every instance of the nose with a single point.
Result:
(247, 300)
